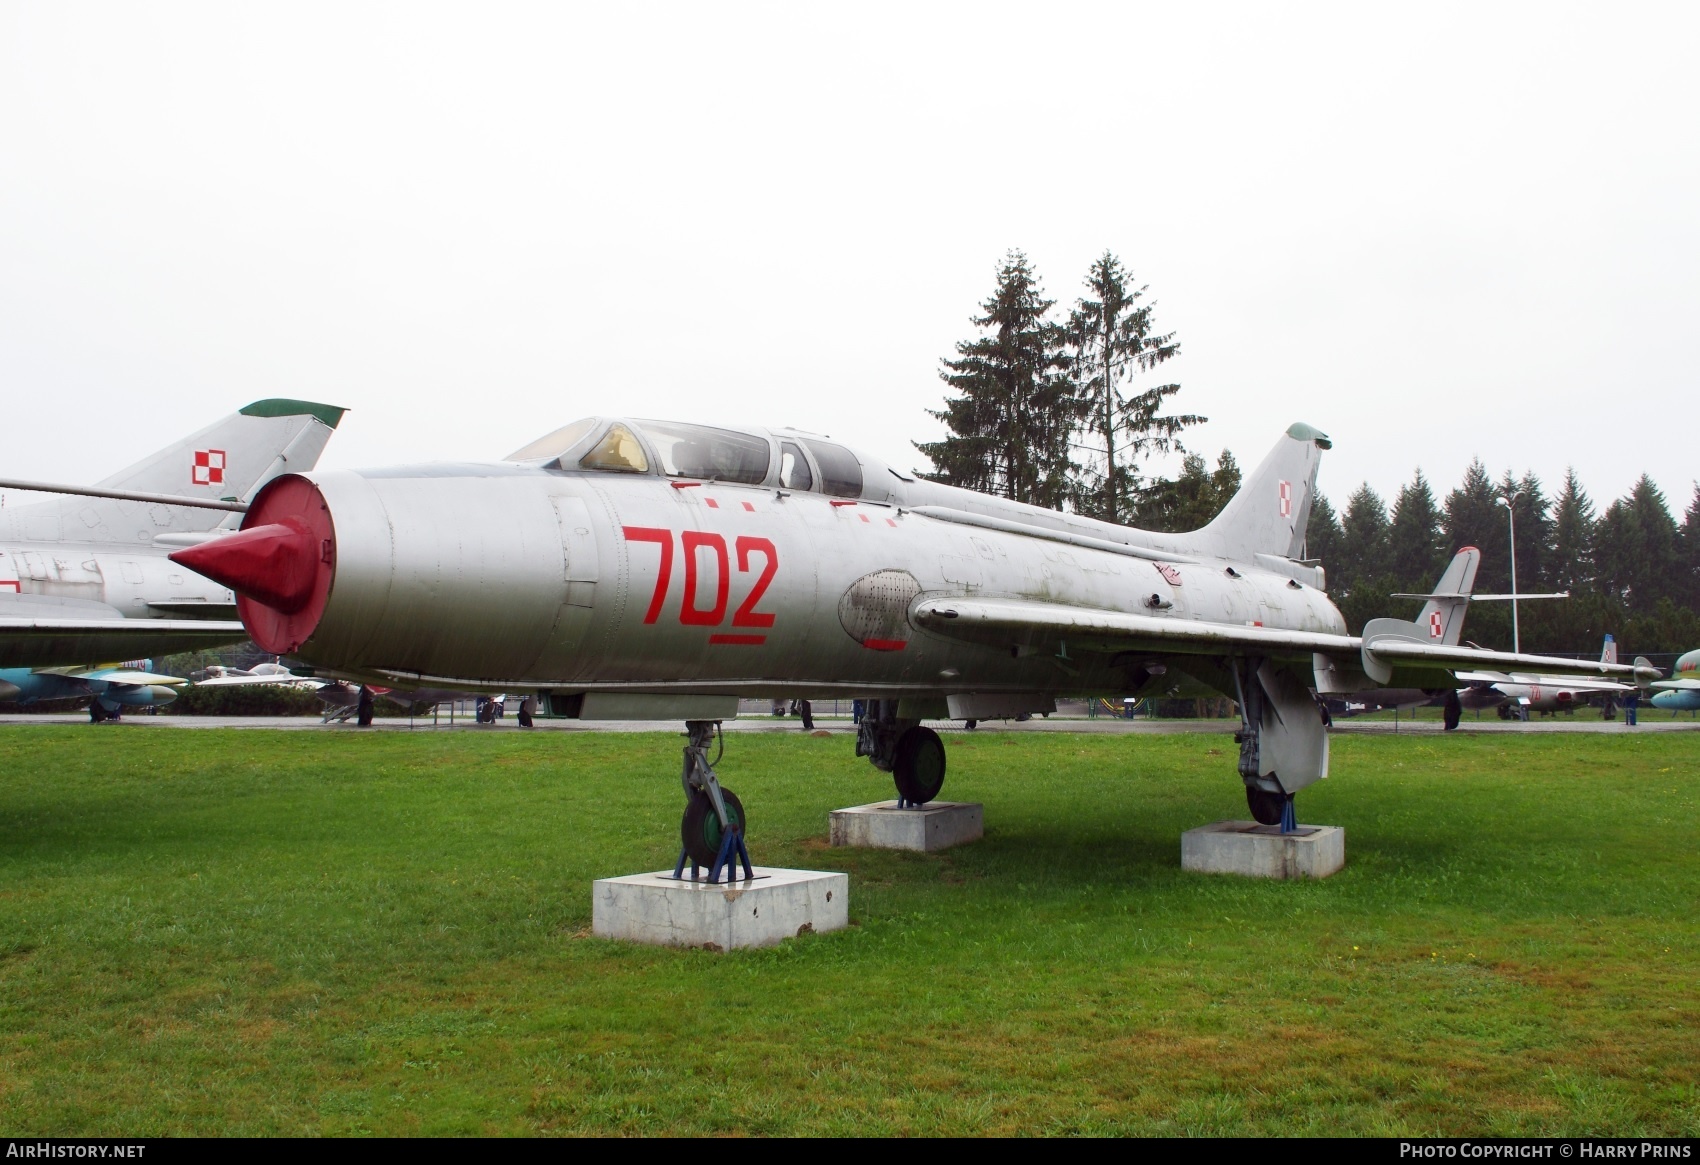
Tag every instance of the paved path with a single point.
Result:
(1102, 725)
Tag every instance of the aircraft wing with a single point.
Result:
(27, 641)
(1684, 685)
(1452, 658)
(249, 681)
(118, 675)
(1019, 622)
(1574, 683)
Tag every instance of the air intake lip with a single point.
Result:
(281, 564)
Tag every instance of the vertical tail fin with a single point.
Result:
(233, 457)
(1269, 513)
(229, 459)
(1442, 617)
(1608, 654)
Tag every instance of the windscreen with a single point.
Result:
(840, 472)
(710, 454)
(555, 443)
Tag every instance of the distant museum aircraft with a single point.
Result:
(626, 568)
(1680, 693)
(84, 578)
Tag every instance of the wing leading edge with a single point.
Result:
(1008, 621)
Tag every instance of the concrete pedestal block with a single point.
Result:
(936, 825)
(1263, 851)
(664, 911)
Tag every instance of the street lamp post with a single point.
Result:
(1509, 502)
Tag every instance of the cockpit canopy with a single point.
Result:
(699, 452)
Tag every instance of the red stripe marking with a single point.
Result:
(843, 503)
(749, 507)
(891, 523)
(740, 640)
(885, 644)
(685, 484)
(712, 504)
(864, 517)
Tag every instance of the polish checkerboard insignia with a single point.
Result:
(1285, 490)
(1436, 626)
(208, 468)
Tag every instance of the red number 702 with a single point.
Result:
(691, 613)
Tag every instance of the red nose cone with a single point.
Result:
(281, 564)
(274, 564)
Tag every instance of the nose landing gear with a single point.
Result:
(711, 832)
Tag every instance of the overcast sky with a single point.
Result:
(1433, 231)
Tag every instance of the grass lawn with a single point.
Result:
(333, 932)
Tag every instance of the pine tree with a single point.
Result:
(1015, 407)
(1191, 500)
(1112, 337)
(1473, 519)
(1534, 529)
(1690, 542)
(1364, 526)
(1322, 534)
(1416, 551)
(1572, 536)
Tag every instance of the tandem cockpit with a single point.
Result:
(782, 459)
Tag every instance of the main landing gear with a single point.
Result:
(711, 833)
(98, 712)
(1283, 740)
(913, 755)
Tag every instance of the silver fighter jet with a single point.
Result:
(626, 568)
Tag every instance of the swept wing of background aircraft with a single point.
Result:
(651, 568)
(84, 577)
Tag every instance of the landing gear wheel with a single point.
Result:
(700, 830)
(1265, 806)
(1454, 710)
(96, 712)
(363, 709)
(919, 771)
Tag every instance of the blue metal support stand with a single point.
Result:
(1289, 819)
(731, 847)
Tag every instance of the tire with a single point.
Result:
(1265, 806)
(1454, 710)
(699, 829)
(363, 709)
(920, 765)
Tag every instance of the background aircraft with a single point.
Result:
(84, 577)
(663, 570)
(1525, 693)
(343, 699)
(1680, 693)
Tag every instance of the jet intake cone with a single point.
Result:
(275, 564)
(281, 564)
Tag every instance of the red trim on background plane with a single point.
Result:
(739, 640)
(885, 644)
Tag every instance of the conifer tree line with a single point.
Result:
(1632, 570)
(1048, 409)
